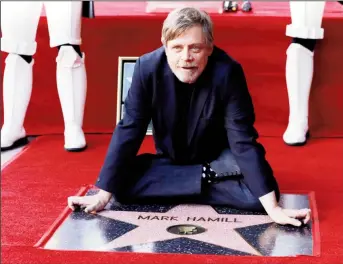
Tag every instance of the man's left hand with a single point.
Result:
(290, 216)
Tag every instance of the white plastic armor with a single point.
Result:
(19, 22)
(306, 24)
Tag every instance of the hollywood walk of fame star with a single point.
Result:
(152, 227)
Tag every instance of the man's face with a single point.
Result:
(187, 54)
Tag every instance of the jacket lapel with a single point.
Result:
(169, 102)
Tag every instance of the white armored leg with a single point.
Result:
(19, 21)
(72, 89)
(299, 71)
(306, 24)
(17, 88)
(64, 21)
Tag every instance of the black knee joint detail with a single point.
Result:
(307, 43)
(75, 47)
(27, 58)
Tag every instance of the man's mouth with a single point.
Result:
(189, 68)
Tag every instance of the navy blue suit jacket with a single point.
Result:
(221, 116)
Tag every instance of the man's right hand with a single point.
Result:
(93, 203)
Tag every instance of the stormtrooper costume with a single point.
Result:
(305, 29)
(19, 22)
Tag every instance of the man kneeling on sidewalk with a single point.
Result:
(203, 117)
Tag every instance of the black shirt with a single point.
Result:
(183, 93)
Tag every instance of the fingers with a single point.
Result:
(95, 206)
(304, 214)
(294, 222)
(91, 208)
(290, 216)
(76, 200)
(307, 217)
(300, 214)
(89, 204)
(72, 202)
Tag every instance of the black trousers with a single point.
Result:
(155, 179)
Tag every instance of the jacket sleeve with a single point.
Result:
(242, 136)
(128, 135)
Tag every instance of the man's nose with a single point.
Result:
(186, 55)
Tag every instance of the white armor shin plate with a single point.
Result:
(72, 89)
(17, 88)
(299, 72)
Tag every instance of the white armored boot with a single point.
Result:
(72, 90)
(17, 88)
(299, 72)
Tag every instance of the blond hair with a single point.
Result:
(181, 19)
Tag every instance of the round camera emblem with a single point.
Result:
(186, 230)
